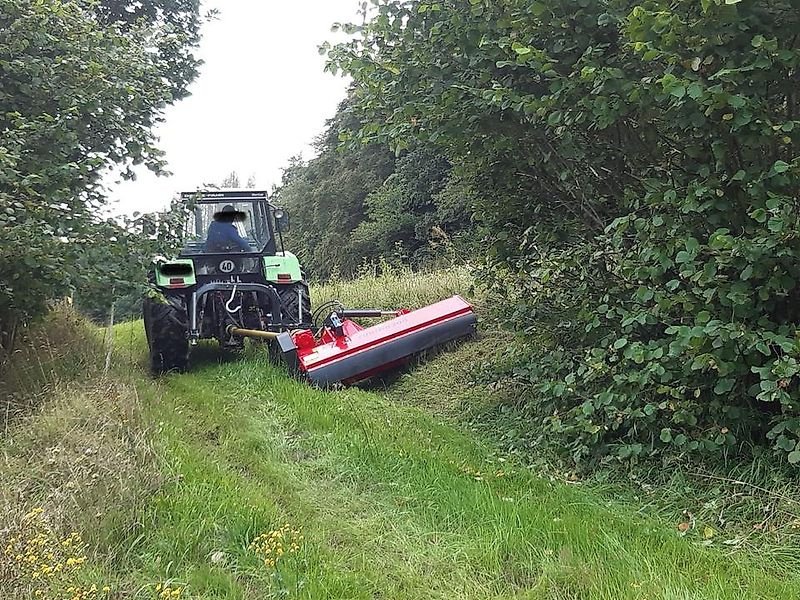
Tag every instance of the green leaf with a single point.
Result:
(724, 386)
(554, 118)
(759, 215)
(521, 49)
(794, 457)
(776, 224)
(537, 8)
(780, 166)
(666, 435)
(695, 90)
(620, 343)
(736, 101)
(679, 91)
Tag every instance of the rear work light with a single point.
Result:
(284, 277)
(176, 281)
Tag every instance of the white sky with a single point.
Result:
(261, 97)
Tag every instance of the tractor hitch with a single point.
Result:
(265, 291)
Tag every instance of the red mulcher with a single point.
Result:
(343, 351)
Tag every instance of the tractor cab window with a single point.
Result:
(224, 227)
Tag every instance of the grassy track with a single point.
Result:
(170, 482)
(392, 503)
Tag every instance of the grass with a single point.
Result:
(61, 348)
(396, 288)
(750, 507)
(76, 462)
(391, 498)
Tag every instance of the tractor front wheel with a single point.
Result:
(166, 326)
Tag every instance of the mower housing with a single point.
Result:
(354, 353)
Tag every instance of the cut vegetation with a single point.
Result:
(237, 482)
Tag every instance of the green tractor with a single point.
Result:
(232, 276)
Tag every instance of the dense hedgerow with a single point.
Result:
(83, 83)
(638, 163)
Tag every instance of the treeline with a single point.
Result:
(635, 168)
(82, 86)
(355, 206)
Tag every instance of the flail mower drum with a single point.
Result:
(341, 351)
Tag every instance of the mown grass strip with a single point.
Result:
(393, 503)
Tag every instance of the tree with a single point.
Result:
(414, 207)
(83, 85)
(174, 33)
(637, 165)
(119, 256)
(325, 198)
(352, 205)
(231, 181)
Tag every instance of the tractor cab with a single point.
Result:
(239, 222)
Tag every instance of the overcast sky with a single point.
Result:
(261, 97)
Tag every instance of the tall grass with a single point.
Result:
(76, 460)
(63, 347)
(395, 288)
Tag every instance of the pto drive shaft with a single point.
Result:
(252, 333)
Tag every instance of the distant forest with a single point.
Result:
(354, 206)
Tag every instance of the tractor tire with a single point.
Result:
(291, 304)
(166, 326)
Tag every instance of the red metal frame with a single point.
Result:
(359, 348)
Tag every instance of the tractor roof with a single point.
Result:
(203, 196)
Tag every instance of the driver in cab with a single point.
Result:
(222, 233)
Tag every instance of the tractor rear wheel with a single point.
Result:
(295, 303)
(166, 326)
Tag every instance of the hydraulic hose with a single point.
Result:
(350, 313)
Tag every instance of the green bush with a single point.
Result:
(638, 168)
(82, 86)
